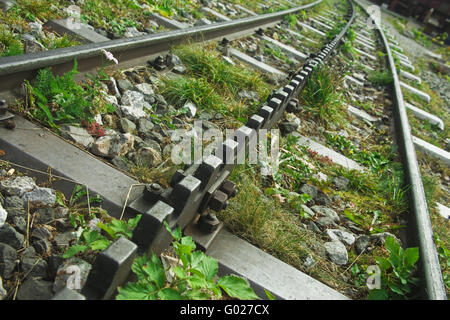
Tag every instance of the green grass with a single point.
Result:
(321, 97)
(381, 78)
(213, 84)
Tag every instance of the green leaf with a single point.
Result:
(74, 250)
(269, 295)
(107, 229)
(137, 291)
(179, 272)
(176, 234)
(91, 236)
(411, 256)
(118, 226)
(100, 244)
(133, 222)
(169, 294)
(237, 288)
(197, 294)
(378, 294)
(395, 288)
(383, 263)
(392, 245)
(137, 267)
(187, 241)
(196, 282)
(155, 270)
(206, 265)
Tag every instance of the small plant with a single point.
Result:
(193, 279)
(397, 272)
(291, 19)
(320, 95)
(89, 226)
(92, 238)
(359, 277)
(383, 78)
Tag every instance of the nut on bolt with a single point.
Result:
(208, 223)
(229, 188)
(218, 201)
(152, 192)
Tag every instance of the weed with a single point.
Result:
(193, 278)
(381, 78)
(59, 99)
(291, 19)
(397, 272)
(321, 97)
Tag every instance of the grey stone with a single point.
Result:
(202, 22)
(78, 135)
(17, 186)
(62, 212)
(124, 85)
(337, 252)
(148, 156)
(309, 189)
(40, 197)
(31, 45)
(313, 227)
(326, 212)
(308, 261)
(307, 211)
(326, 222)
(10, 236)
(362, 243)
(42, 246)
(152, 144)
(111, 146)
(249, 95)
(135, 99)
(3, 292)
(340, 235)
(63, 240)
(380, 238)
(191, 109)
(35, 289)
(112, 100)
(120, 163)
(127, 125)
(145, 89)
(8, 258)
(44, 215)
(3, 215)
(322, 199)
(174, 62)
(145, 125)
(34, 267)
(19, 224)
(53, 263)
(13, 202)
(341, 183)
(41, 233)
(133, 113)
(68, 294)
(5, 5)
(67, 269)
(133, 32)
(36, 28)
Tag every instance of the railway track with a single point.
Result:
(193, 191)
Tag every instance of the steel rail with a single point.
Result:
(129, 51)
(432, 274)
